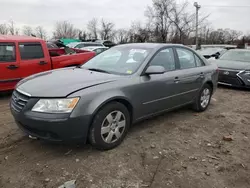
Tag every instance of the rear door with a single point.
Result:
(32, 58)
(191, 74)
(9, 66)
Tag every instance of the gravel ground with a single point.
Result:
(181, 149)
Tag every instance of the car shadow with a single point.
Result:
(151, 122)
(85, 149)
(5, 95)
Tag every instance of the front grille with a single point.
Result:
(229, 77)
(230, 80)
(18, 101)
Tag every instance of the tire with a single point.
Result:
(198, 106)
(109, 138)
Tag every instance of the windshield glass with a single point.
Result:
(122, 60)
(236, 56)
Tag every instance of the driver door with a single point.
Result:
(159, 92)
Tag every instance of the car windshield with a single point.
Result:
(121, 60)
(236, 56)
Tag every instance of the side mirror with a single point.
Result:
(155, 70)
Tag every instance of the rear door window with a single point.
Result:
(7, 52)
(199, 62)
(186, 58)
(31, 51)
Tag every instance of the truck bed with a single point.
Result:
(69, 57)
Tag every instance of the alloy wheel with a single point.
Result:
(113, 126)
(205, 98)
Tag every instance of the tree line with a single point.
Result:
(165, 21)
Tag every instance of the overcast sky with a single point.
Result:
(121, 12)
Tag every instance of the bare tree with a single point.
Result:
(159, 15)
(12, 28)
(122, 36)
(107, 30)
(139, 32)
(4, 29)
(233, 35)
(182, 21)
(40, 32)
(65, 29)
(169, 21)
(82, 35)
(205, 32)
(27, 30)
(93, 27)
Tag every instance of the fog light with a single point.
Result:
(32, 137)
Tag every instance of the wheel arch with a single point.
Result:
(210, 83)
(120, 99)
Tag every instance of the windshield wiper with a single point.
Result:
(99, 70)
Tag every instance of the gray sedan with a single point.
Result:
(99, 100)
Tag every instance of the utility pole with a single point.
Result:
(197, 24)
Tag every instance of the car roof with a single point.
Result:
(101, 40)
(150, 45)
(75, 42)
(91, 42)
(94, 47)
(18, 38)
(240, 50)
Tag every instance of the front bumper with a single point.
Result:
(51, 127)
(233, 78)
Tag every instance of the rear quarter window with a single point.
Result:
(7, 52)
(31, 51)
(199, 62)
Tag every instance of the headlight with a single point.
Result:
(55, 105)
(247, 72)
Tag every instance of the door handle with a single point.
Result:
(176, 80)
(42, 63)
(202, 75)
(12, 67)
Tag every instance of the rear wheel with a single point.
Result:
(110, 126)
(203, 99)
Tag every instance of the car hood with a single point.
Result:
(237, 65)
(61, 83)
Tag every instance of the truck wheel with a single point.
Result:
(203, 99)
(110, 126)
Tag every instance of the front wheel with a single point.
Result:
(110, 126)
(203, 99)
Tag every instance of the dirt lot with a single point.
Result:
(179, 149)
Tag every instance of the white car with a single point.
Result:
(81, 45)
(96, 49)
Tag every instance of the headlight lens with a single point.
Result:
(55, 105)
(247, 72)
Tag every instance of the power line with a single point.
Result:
(227, 6)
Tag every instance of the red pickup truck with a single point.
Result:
(22, 56)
